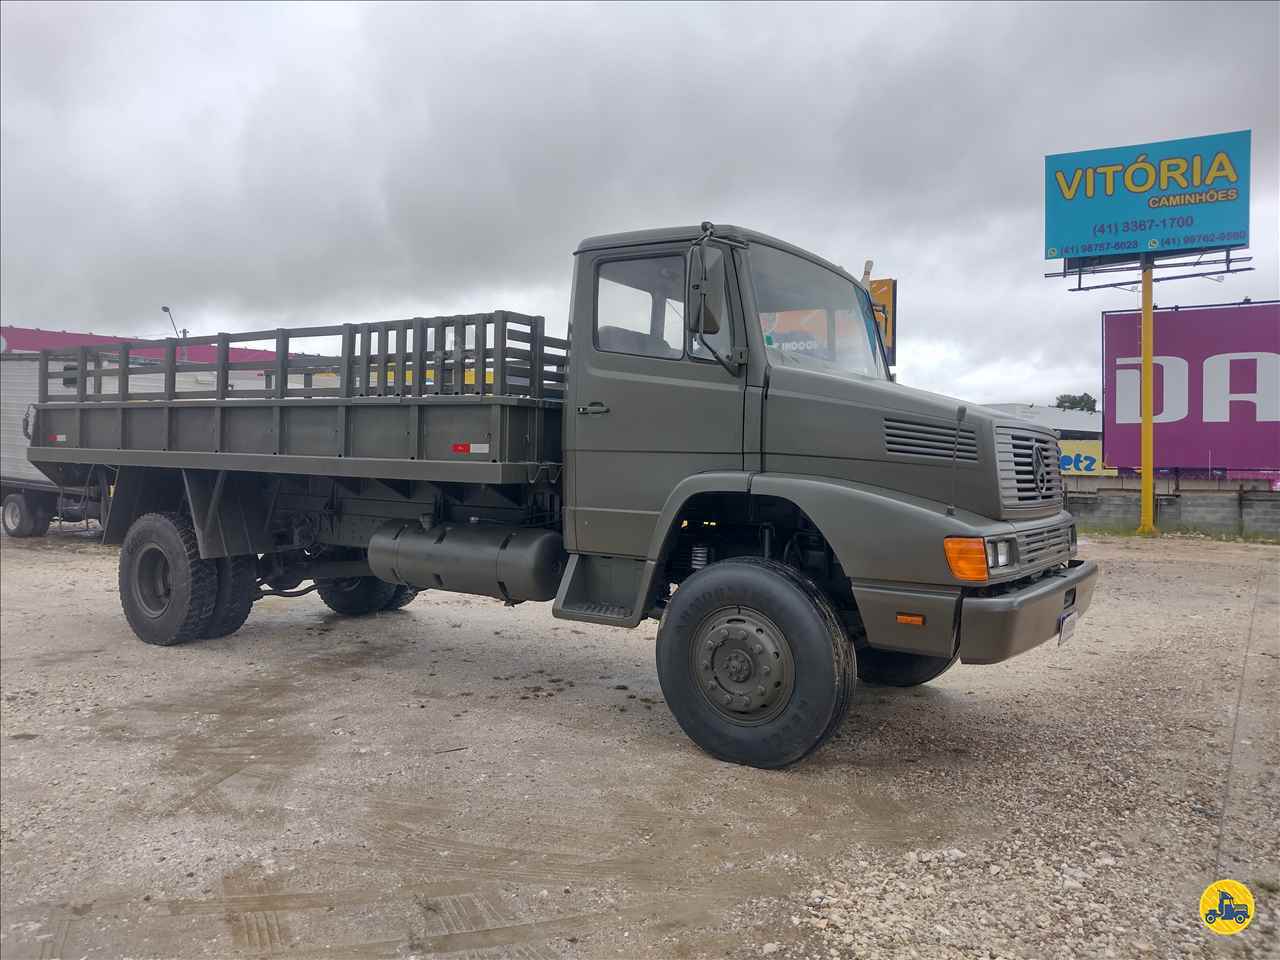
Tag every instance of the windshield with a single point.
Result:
(812, 317)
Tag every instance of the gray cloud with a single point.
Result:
(264, 165)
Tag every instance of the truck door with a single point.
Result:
(648, 405)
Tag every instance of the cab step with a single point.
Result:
(600, 590)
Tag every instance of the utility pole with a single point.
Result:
(1147, 517)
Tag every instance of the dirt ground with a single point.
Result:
(461, 778)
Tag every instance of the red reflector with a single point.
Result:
(462, 448)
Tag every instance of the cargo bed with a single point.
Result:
(471, 399)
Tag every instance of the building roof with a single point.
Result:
(1074, 421)
(33, 340)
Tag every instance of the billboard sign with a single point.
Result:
(884, 294)
(1083, 458)
(1217, 387)
(1167, 197)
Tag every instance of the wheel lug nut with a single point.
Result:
(706, 664)
(766, 669)
(758, 648)
(760, 691)
(728, 699)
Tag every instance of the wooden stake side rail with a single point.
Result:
(503, 354)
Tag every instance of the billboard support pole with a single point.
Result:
(1147, 524)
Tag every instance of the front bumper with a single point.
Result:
(997, 628)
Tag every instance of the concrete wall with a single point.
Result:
(1248, 512)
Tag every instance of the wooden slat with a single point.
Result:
(459, 362)
(419, 355)
(170, 368)
(223, 378)
(282, 365)
(500, 353)
(344, 372)
(366, 338)
(437, 346)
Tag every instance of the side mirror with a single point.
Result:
(702, 283)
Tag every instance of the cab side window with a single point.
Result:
(640, 307)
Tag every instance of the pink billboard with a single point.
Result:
(1217, 387)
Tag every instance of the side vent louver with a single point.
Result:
(911, 438)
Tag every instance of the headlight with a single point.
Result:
(999, 553)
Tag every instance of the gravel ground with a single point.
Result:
(463, 778)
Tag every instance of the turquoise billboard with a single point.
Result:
(1167, 197)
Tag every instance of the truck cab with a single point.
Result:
(762, 421)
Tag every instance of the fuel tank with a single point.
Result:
(508, 563)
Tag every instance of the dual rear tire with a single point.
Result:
(171, 595)
(24, 516)
(359, 596)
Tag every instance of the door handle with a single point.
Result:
(593, 408)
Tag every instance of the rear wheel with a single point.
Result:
(890, 668)
(168, 592)
(237, 589)
(754, 663)
(402, 597)
(24, 516)
(356, 596)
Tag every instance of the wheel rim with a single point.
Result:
(152, 581)
(743, 665)
(12, 515)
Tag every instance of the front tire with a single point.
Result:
(356, 596)
(754, 663)
(167, 591)
(890, 668)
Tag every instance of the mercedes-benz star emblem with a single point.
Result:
(1039, 471)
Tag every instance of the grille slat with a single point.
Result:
(1045, 546)
(1015, 462)
(911, 438)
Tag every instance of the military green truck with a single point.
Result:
(717, 445)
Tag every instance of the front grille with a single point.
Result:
(1044, 547)
(1021, 485)
(911, 438)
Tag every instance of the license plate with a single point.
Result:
(1066, 627)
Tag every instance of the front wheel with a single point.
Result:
(890, 668)
(754, 663)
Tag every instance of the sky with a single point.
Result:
(261, 166)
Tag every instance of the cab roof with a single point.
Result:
(727, 231)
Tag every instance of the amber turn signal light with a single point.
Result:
(967, 557)
(911, 619)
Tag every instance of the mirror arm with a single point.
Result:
(732, 368)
